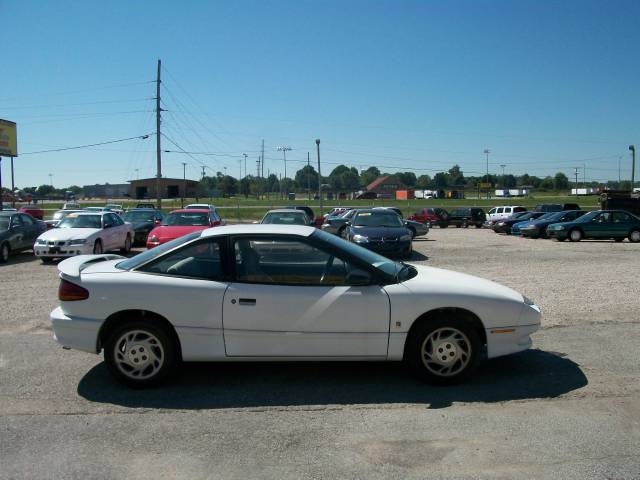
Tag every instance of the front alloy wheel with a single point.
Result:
(140, 354)
(127, 245)
(575, 235)
(634, 236)
(444, 352)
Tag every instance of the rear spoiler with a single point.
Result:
(71, 267)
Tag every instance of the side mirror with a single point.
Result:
(357, 277)
(108, 226)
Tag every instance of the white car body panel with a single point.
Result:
(287, 322)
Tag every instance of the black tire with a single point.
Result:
(127, 245)
(575, 235)
(46, 260)
(5, 251)
(444, 225)
(165, 349)
(409, 254)
(458, 226)
(618, 239)
(478, 225)
(634, 236)
(413, 232)
(465, 224)
(97, 247)
(419, 338)
(341, 231)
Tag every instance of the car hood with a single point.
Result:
(380, 231)
(59, 234)
(437, 281)
(166, 232)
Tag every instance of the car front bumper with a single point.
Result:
(559, 234)
(76, 333)
(388, 248)
(59, 251)
(531, 232)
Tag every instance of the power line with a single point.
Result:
(143, 137)
(121, 85)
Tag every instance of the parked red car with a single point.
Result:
(182, 222)
(435, 216)
(35, 212)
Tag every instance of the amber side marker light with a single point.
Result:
(504, 330)
(70, 292)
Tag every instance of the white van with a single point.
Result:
(499, 213)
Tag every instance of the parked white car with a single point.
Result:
(84, 233)
(500, 213)
(282, 293)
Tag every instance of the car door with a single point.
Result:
(31, 231)
(16, 233)
(599, 226)
(290, 298)
(120, 231)
(110, 232)
(621, 224)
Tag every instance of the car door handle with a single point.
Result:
(247, 301)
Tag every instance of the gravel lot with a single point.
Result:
(569, 408)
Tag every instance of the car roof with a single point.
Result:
(286, 210)
(191, 206)
(142, 209)
(8, 213)
(191, 210)
(85, 213)
(259, 228)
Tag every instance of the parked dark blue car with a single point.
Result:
(538, 228)
(382, 231)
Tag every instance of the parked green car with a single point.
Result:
(616, 224)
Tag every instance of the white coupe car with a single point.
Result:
(282, 293)
(84, 232)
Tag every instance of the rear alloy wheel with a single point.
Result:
(634, 236)
(4, 253)
(444, 351)
(140, 354)
(127, 245)
(342, 232)
(97, 247)
(575, 235)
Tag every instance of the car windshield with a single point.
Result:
(139, 216)
(285, 218)
(81, 221)
(93, 209)
(4, 223)
(113, 206)
(552, 216)
(186, 219)
(147, 255)
(377, 219)
(587, 217)
(387, 267)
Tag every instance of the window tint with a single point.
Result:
(107, 220)
(16, 221)
(117, 220)
(197, 260)
(493, 210)
(499, 210)
(27, 220)
(286, 261)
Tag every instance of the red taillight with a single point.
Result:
(70, 292)
(215, 223)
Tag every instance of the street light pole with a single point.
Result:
(245, 165)
(486, 152)
(633, 165)
(576, 173)
(319, 175)
(184, 183)
(284, 149)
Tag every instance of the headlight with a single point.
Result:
(360, 239)
(559, 227)
(405, 238)
(78, 241)
(153, 239)
(41, 242)
(428, 224)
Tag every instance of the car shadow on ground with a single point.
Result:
(22, 257)
(533, 374)
(417, 256)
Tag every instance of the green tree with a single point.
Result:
(546, 183)
(307, 173)
(44, 190)
(441, 180)
(456, 177)
(424, 181)
(408, 178)
(368, 176)
(560, 181)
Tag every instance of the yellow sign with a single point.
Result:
(485, 185)
(8, 139)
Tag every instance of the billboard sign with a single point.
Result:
(8, 139)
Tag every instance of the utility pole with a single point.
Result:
(137, 174)
(619, 159)
(633, 165)
(51, 179)
(184, 183)
(486, 152)
(308, 177)
(262, 159)
(158, 145)
(503, 179)
(240, 174)
(319, 176)
(576, 173)
(202, 171)
(245, 164)
(13, 188)
(284, 149)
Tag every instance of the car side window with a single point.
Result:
(107, 221)
(492, 211)
(27, 220)
(16, 221)
(200, 260)
(619, 217)
(117, 220)
(499, 210)
(287, 261)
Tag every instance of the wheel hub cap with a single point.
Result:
(446, 351)
(139, 354)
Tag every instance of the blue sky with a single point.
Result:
(546, 86)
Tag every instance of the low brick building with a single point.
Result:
(386, 186)
(169, 188)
